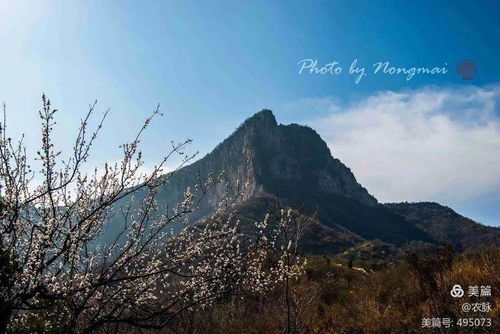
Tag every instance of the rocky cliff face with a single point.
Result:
(285, 155)
(292, 163)
(273, 160)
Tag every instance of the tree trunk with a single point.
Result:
(5, 314)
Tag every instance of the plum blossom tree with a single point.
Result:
(289, 226)
(58, 275)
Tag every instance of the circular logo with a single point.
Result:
(457, 291)
(467, 69)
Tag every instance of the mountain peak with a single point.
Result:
(293, 164)
(264, 118)
(284, 159)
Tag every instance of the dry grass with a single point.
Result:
(330, 298)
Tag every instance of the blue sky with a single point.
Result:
(211, 64)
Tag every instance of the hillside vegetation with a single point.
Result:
(362, 297)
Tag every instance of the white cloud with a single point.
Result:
(439, 144)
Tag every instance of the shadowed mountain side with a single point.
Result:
(339, 223)
(446, 225)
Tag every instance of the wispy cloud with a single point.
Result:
(435, 143)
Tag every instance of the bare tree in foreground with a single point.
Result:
(56, 273)
(289, 226)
